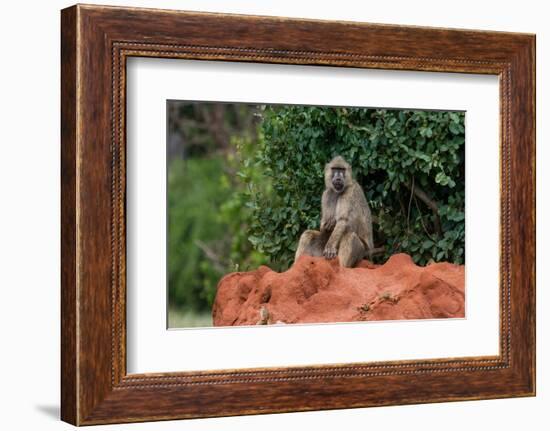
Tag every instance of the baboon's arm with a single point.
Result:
(339, 231)
(328, 213)
(331, 248)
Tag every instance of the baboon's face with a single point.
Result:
(338, 179)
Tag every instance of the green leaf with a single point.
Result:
(427, 244)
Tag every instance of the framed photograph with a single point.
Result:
(263, 214)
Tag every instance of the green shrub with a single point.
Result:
(198, 240)
(391, 151)
(208, 221)
(244, 179)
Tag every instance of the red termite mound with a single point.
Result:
(316, 290)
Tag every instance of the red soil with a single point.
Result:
(316, 290)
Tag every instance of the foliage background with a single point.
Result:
(245, 181)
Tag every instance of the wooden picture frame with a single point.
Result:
(95, 43)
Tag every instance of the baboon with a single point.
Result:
(346, 221)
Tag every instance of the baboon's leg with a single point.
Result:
(311, 243)
(351, 250)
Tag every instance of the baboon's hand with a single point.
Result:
(330, 252)
(328, 225)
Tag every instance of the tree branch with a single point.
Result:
(421, 194)
(211, 255)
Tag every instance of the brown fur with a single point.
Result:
(346, 221)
